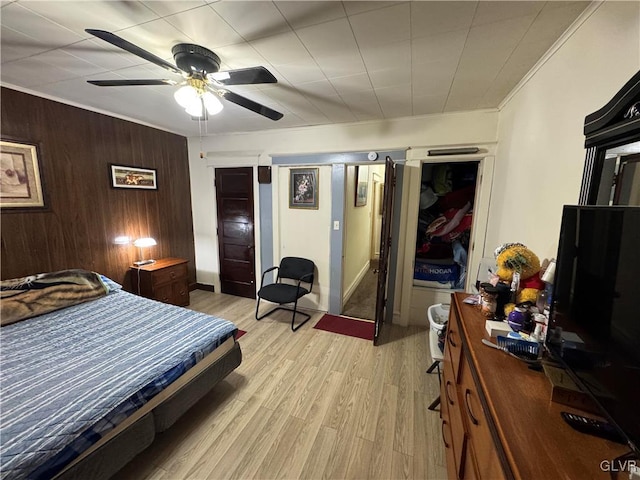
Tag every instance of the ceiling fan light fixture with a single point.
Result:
(212, 103)
(195, 109)
(186, 96)
(200, 69)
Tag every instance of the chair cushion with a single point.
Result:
(281, 293)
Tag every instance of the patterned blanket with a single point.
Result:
(27, 297)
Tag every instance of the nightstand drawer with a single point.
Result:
(163, 293)
(169, 274)
(181, 292)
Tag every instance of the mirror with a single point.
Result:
(620, 177)
(612, 137)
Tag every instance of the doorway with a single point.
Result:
(364, 190)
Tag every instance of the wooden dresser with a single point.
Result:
(165, 280)
(498, 420)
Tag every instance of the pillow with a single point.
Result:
(110, 284)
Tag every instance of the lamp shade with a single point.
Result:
(186, 96)
(212, 103)
(195, 109)
(144, 242)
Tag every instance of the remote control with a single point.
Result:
(594, 427)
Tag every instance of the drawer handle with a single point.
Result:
(172, 274)
(453, 344)
(473, 418)
(444, 440)
(446, 392)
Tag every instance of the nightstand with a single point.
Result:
(165, 280)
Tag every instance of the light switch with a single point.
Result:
(336, 224)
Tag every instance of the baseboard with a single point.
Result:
(202, 286)
(356, 282)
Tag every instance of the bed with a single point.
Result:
(86, 387)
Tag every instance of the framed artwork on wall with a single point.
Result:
(20, 175)
(123, 176)
(362, 185)
(303, 188)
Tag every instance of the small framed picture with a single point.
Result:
(123, 176)
(303, 188)
(362, 185)
(20, 175)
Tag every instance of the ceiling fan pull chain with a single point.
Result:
(200, 129)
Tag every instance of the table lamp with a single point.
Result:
(142, 243)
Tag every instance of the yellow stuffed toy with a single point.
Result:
(516, 257)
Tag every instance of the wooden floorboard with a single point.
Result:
(305, 405)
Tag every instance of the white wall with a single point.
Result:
(305, 233)
(541, 153)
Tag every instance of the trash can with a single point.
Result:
(438, 314)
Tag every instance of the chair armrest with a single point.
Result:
(264, 273)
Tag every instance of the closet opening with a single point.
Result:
(445, 219)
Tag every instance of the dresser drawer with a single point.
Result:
(449, 397)
(169, 274)
(477, 425)
(447, 433)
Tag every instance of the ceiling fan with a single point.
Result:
(202, 83)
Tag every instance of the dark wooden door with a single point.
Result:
(385, 245)
(234, 197)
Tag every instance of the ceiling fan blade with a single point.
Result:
(126, 83)
(250, 104)
(119, 42)
(244, 76)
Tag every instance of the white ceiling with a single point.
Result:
(335, 61)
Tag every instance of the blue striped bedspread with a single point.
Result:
(70, 376)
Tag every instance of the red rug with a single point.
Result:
(240, 333)
(346, 326)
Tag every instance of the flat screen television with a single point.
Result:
(594, 328)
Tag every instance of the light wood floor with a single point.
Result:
(307, 404)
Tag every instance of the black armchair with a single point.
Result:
(297, 269)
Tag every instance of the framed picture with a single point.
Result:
(362, 185)
(303, 188)
(123, 176)
(20, 175)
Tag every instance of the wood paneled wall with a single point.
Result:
(84, 213)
